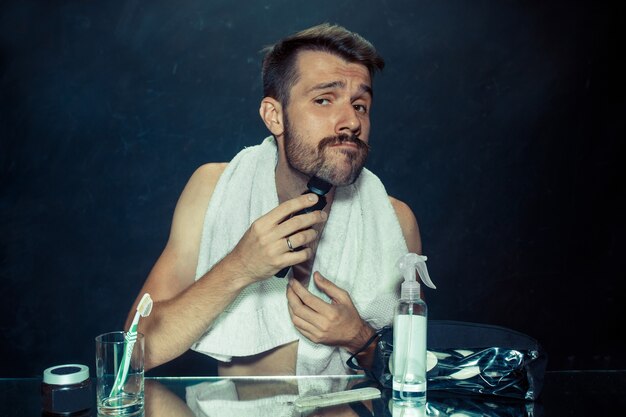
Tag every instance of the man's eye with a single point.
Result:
(361, 108)
(322, 101)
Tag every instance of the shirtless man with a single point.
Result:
(324, 96)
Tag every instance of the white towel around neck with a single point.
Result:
(358, 249)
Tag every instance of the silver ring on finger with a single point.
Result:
(291, 248)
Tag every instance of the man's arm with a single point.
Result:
(339, 323)
(185, 308)
(408, 224)
(174, 273)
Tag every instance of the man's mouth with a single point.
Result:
(346, 144)
(343, 140)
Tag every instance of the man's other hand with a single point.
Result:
(337, 323)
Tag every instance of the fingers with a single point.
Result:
(299, 229)
(329, 288)
(301, 238)
(332, 324)
(263, 250)
(289, 207)
(274, 227)
(293, 258)
(308, 321)
(310, 303)
(299, 223)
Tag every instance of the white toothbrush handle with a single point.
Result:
(130, 338)
(130, 343)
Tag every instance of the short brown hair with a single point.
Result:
(279, 64)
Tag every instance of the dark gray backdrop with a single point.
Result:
(501, 124)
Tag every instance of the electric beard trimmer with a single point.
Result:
(316, 186)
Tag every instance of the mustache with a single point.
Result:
(341, 138)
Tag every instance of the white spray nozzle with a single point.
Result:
(408, 264)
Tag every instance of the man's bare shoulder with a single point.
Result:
(408, 223)
(209, 173)
(203, 181)
(192, 203)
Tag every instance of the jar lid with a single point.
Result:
(66, 374)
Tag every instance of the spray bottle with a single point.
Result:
(409, 334)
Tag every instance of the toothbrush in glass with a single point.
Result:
(143, 310)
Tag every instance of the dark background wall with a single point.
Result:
(501, 123)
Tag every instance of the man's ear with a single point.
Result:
(271, 112)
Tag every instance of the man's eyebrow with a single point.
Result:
(367, 89)
(364, 88)
(328, 86)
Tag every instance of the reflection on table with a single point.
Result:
(277, 398)
(570, 393)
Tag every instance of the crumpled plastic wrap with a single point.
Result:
(481, 407)
(492, 371)
(515, 371)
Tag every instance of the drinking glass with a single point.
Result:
(110, 351)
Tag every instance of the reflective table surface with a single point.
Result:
(567, 393)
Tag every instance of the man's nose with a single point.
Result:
(349, 121)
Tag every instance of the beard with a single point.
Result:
(341, 166)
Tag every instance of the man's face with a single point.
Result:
(327, 119)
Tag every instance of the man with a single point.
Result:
(232, 231)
